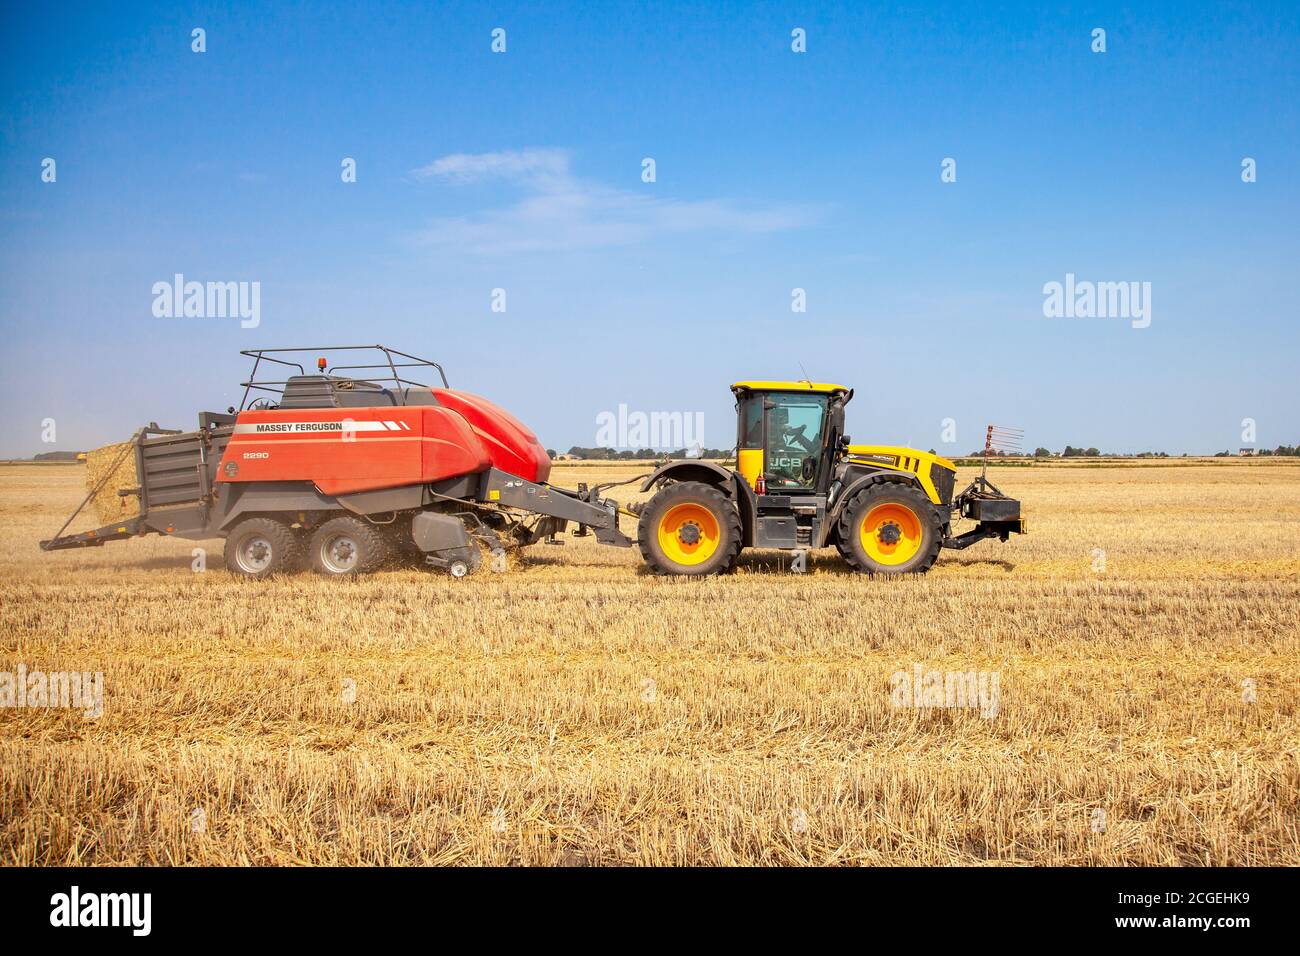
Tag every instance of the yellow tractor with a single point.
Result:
(800, 484)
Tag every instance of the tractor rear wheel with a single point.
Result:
(890, 528)
(347, 546)
(260, 547)
(689, 528)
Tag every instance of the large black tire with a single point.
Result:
(260, 547)
(701, 530)
(347, 546)
(905, 533)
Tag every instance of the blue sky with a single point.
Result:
(775, 170)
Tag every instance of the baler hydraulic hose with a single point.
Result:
(616, 484)
(597, 489)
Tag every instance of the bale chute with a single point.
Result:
(109, 470)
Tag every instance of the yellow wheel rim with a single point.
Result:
(689, 533)
(891, 534)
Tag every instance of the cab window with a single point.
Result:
(794, 434)
(751, 422)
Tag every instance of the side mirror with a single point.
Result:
(845, 441)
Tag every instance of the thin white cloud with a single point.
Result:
(560, 211)
(527, 164)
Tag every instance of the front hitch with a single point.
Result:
(995, 514)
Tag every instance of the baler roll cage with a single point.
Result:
(276, 387)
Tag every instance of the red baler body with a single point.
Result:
(509, 443)
(349, 450)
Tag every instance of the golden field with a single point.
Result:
(577, 710)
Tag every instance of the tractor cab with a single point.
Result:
(788, 434)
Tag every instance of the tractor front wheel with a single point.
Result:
(890, 528)
(689, 528)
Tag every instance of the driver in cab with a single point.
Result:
(790, 447)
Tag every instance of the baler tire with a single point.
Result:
(283, 548)
(368, 547)
(693, 501)
(895, 500)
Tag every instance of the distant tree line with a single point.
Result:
(1072, 452)
(642, 454)
(650, 454)
(57, 456)
(1285, 451)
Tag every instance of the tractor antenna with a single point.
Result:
(805, 374)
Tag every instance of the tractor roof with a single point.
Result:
(823, 387)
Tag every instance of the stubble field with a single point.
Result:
(575, 709)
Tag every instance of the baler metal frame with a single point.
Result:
(268, 355)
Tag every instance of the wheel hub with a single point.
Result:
(257, 554)
(342, 553)
(689, 533)
(889, 533)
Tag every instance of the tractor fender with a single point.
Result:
(705, 471)
(730, 483)
(851, 490)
